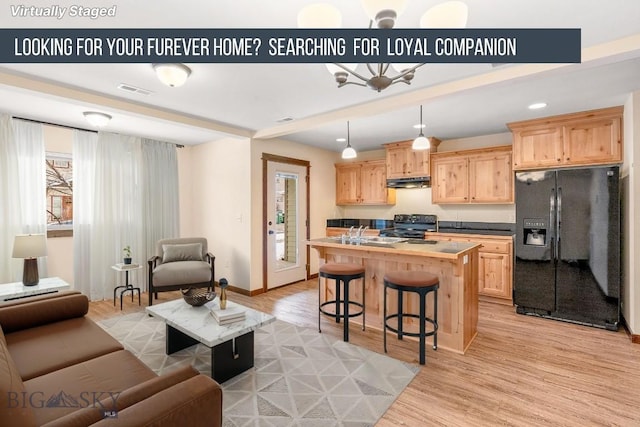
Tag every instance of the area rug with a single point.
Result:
(300, 377)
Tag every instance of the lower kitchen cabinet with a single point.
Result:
(495, 271)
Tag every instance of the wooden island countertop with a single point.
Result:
(455, 263)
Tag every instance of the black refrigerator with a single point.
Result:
(567, 245)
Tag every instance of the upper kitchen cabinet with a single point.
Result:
(472, 176)
(405, 162)
(578, 139)
(363, 183)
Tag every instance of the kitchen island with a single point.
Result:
(455, 263)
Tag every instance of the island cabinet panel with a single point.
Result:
(472, 176)
(363, 183)
(457, 297)
(587, 138)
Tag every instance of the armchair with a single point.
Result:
(180, 263)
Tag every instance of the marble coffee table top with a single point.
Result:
(198, 323)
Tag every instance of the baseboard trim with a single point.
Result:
(635, 338)
(313, 276)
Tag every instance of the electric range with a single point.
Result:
(411, 226)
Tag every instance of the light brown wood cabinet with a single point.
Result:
(472, 176)
(405, 162)
(363, 183)
(578, 139)
(495, 267)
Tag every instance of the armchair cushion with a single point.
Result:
(185, 272)
(185, 252)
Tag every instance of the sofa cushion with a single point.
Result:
(185, 272)
(13, 410)
(184, 252)
(43, 349)
(41, 310)
(85, 384)
(129, 397)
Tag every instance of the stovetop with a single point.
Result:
(411, 226)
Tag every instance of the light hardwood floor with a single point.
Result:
(520, 370)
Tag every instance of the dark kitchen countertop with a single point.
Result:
(485, 228)
(374, 224)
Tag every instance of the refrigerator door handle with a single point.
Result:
(559, 221)
(552, 223)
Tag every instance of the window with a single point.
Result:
(59, 174)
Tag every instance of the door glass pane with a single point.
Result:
(286, 186)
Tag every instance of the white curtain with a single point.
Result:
(22, 191)
(119, 200)
(160, 189)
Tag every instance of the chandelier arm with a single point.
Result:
(351, 83)
(405, 72)
(371, 70)
(384, 67)
(352, 72)
(400, 81)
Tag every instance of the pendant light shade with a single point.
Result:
(349, 152)
(421, 142)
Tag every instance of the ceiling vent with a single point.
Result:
(284, 120)
(132, 89)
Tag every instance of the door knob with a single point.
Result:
(271, 231)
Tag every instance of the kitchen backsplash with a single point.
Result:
(418, 201)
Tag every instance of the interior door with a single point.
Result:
(286, 216)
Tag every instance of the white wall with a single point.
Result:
(631, 214)
(418, 200)
(322, 195)
(215, 202)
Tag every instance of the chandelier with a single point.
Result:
(450, 14)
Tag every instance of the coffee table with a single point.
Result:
(231, 344)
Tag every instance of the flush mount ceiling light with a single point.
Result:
(421, 142)
(173, 75)
(537, 105)
(97, 119)
(451, 14)
(349, 152)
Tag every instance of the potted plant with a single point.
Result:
(127, 254)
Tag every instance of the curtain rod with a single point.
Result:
(71, 127)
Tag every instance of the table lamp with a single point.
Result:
(30, 247)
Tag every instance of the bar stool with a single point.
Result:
(341, 272)
(421, 283)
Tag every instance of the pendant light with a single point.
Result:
(421, 142)
(349, 152)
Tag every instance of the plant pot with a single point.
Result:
(127, 260)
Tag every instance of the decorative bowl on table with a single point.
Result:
(197, 297)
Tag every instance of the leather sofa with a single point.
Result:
(59, 368)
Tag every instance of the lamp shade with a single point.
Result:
(373, 7)
(319, 15)
(97, 119)
(173, 75)
(29, 246)
(450, 14)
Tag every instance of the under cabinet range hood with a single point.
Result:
(416, 182)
